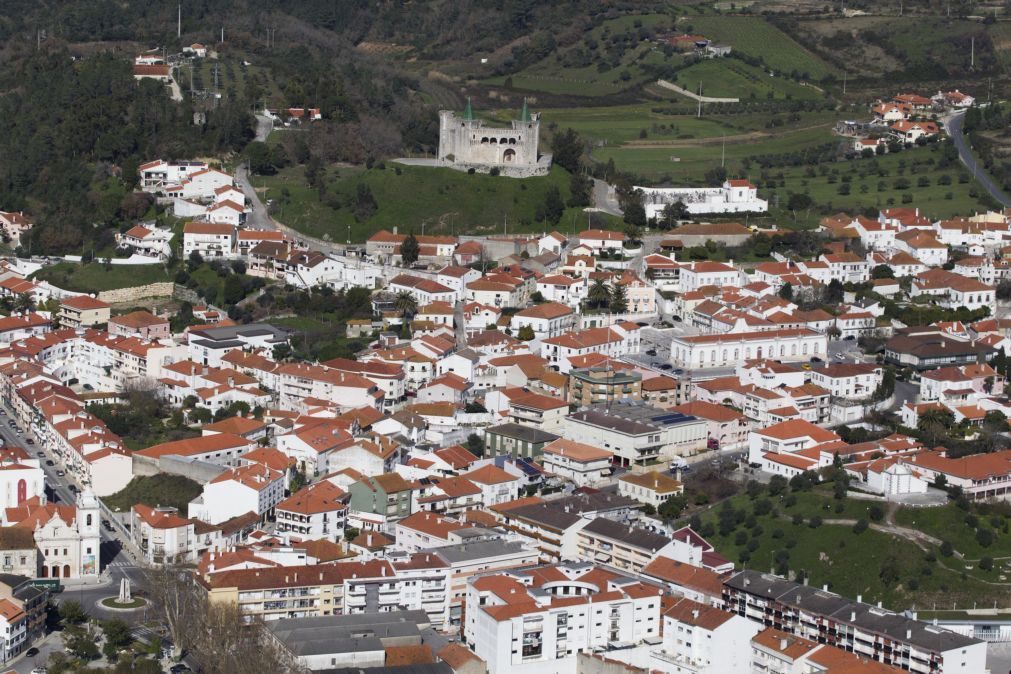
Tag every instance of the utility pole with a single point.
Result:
(179, 20)
(699, 113)
(222, 35)
(723, 152)
(972, 53)
(844, 82)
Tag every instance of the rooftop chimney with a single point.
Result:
(909, 634)
(783, 643)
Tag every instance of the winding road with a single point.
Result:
(953, 125)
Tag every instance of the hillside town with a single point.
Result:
(496, 481)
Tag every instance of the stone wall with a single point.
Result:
(122, 295)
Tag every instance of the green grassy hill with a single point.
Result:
(436, 200)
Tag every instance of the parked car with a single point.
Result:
(29, 441)
(73, 488)
(651, 352)
(31, 652)
(50, 463)
(60, 473)
(666, 366)
(41, 455)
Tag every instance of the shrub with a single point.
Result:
(984, 537)
(860, 526)
(876, 513)
(798, 520)
(986, 564)
(947, 549)
(815, 522)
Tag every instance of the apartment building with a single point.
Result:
(539, 619)
(83, 311)
(863, 629)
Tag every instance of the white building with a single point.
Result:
(582, 609)
(856, 381)
(734, 196)
(701, 639)
(251, 488)
(208, 239)
(581, 464)
(550, 319)
(727, 350)
(315, 512)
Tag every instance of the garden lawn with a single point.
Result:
(94, 277)
(758, 38)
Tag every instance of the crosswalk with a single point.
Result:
(121, 564)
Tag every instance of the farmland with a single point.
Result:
(731, 78)
(610, 58)
(688, 161)
(919, 176)
(758, 38)
(874, 46)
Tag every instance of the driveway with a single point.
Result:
(953, 125)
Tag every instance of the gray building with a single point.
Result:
(516, 440)
(356, 641)
(896, 639)
(637, 433)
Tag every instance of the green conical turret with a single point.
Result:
(468, 112)
(524, 113)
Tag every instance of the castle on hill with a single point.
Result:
(466, 143)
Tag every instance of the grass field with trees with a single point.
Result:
(422, 199)
(789, 529)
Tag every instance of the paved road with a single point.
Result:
(264, 125)
(259, 218)
(953, 125)
(115, 560)
(603, 200)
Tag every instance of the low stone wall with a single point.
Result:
(153, 290)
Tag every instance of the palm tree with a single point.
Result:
(24, 302)
(599, 293)
(406, 304)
